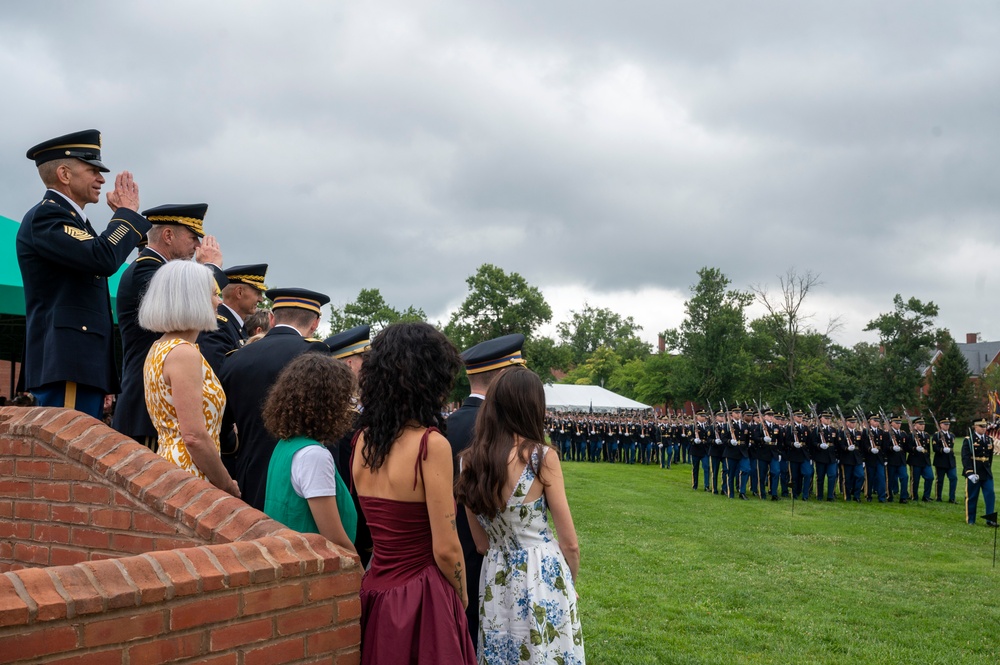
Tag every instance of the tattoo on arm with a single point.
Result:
(458, 579)
(451, 518)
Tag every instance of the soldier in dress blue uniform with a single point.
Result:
(900, 443)
(797, 451)
(977, 467)
(351, 347)
(736, 456)
(717, 449)
(852, 459)
(701, 438)
(65, 264)
(944, 459)
(177, 233)
(482, 364)
(243, 293)
(919, 460)
(876, 441)
(823, 443)
(248, 374)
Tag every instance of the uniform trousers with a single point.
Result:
(899, 481)
(854, 480)
(927, 473)
(952, 474)
(972, 490)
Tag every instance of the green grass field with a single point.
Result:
(671, 575)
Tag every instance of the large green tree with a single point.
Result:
(371, 308)
(907, 339)
(544, 355)
(498, 304)
(712, 338)
(950, 392)
(594, 327)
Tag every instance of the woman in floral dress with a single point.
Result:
(509, 480)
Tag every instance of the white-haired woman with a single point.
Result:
(183, 395)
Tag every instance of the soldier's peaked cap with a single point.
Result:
(494, 354)
(191, 215)
(350, 342)
(298, 298)
(251, 275)
(85, 146)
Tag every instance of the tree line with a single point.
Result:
(718, 352)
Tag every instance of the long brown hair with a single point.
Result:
(515, 404)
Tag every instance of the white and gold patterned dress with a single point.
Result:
(160, 404)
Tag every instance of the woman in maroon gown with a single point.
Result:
(414, 594)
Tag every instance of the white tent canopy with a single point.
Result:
(564, 397)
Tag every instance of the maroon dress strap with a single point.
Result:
(350, 472)
(422, 455)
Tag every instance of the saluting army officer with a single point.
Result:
(177, 233)
(65, 265)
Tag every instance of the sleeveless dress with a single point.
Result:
(410, 614)
(160, 404)
(527, 609)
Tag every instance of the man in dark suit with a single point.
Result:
(482, 363)
(177, 233)
(249, 373)
(65, 265)
(240, 298)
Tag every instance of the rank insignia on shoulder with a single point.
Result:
(222, 318)
(74, 232)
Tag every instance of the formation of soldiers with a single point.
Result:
(773, 455)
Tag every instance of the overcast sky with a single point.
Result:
(605, 151)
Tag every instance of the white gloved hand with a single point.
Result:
(874, 450)
(920, 449)
(824, 446)
(718, 442)
(973, 478)
(697, 440)
(659, 445)
(851, 447)
(896, 449)
(946, 449)
(734, 442)
(797, 444)
(767, 439)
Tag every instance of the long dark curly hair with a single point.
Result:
(311, 398)
(405, 379)
(515, 404)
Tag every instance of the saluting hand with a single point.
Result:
(209, 252)
(125, 194)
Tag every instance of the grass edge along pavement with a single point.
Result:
(672, 575)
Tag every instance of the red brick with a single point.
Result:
(239, 634)
(43, 592)
(352, 657)
(50, 533)
(212, 578)
(108, 657)
(217, 514)
(251, 556)
(95, 494)
(10, 487)
(70, 471)
(123, 628)
(6, 508)
(84, 598)
(146, 523)
(284, 651)
(151, 472)
(38, 642)
(78, 436)
(160, 544)
(144, 577)
(13, 610)
(348, 609)
(15, 447)
(299, 546)
(32, 510)
(36, 554)
(64, 556)
(89, 448)
(279, 550)
(114, 450)
(70, 515)
(116, 588)
(50, 431)
(111, 518)
(53, 491)
(205, 611)
(31, 468)
(83, 536)
(189, 516)
(185, 491)
(242, 521)
(131, 465)
(6, 467)
(168, 649)
(330, 586)
(236, 573)
(221, 659)
(310, 618)
(183, 581)
(19, 530)
(327, 641)
(94, 555)
(275, 598)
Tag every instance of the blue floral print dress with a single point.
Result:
(527, 606)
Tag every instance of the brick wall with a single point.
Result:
(111, 554)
